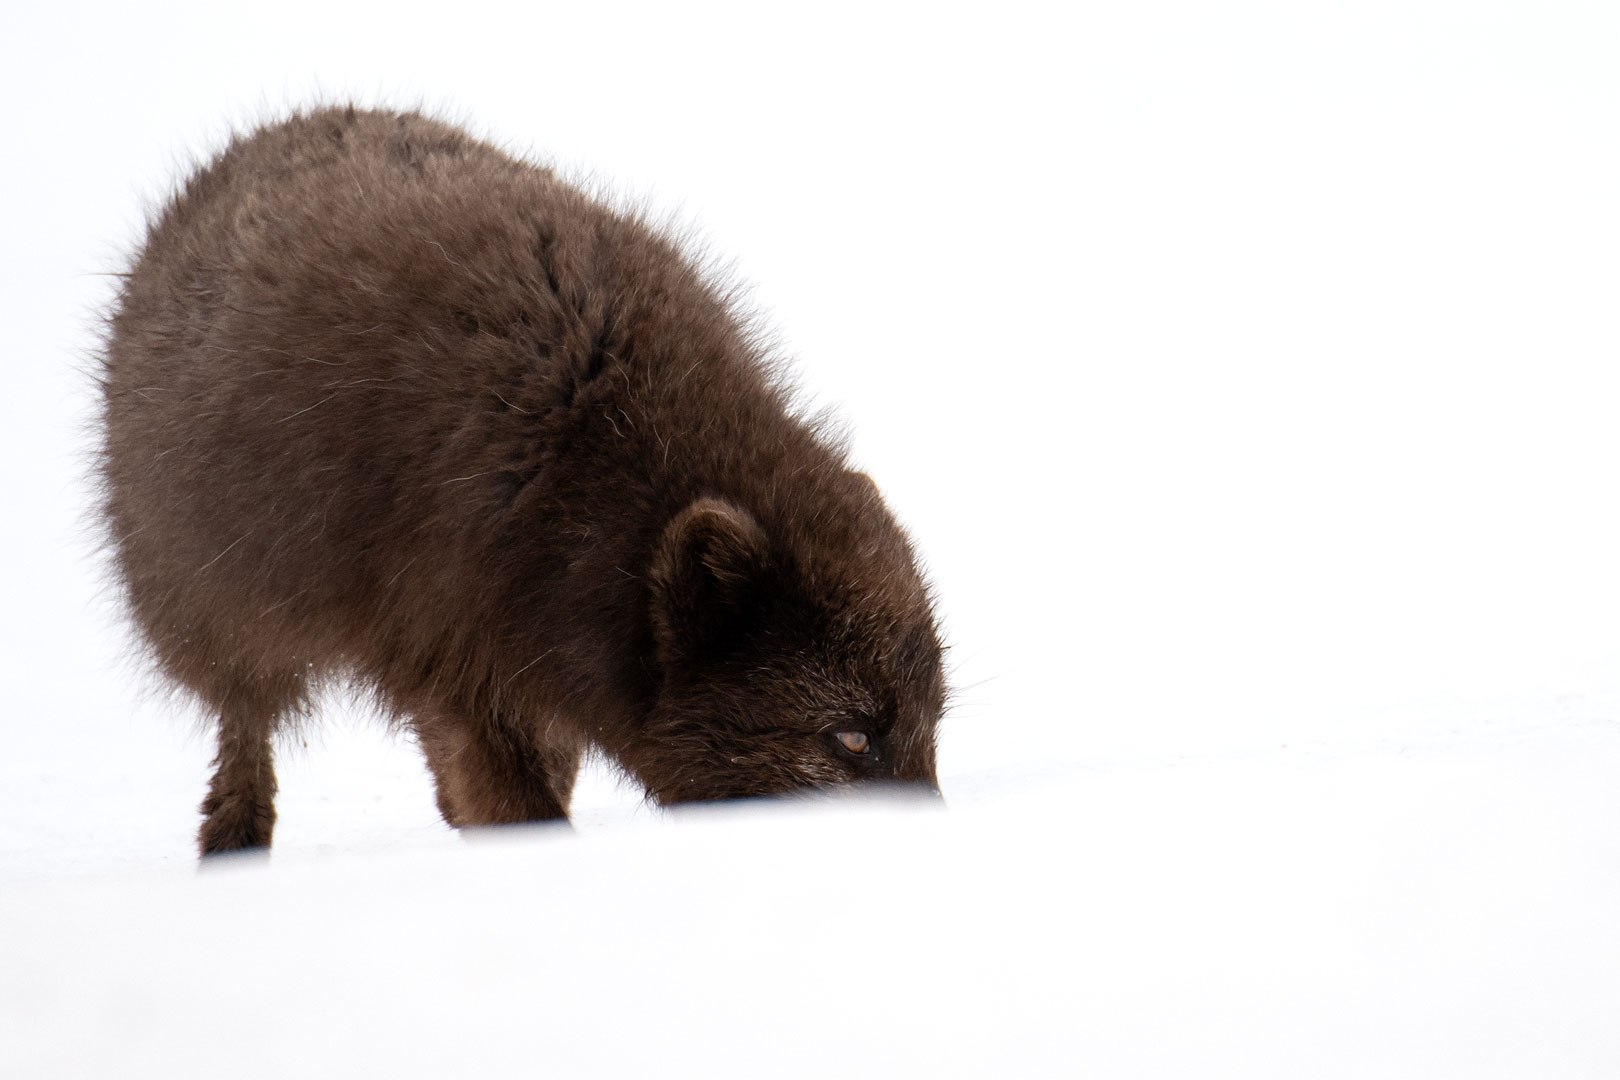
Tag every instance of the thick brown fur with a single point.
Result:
(383, 403)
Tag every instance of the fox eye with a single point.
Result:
(856, 742)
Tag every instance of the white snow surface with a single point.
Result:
(1381, 914)
(1247, 374)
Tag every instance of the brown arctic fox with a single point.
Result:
(385, 404)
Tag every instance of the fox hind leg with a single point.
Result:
(240, 809)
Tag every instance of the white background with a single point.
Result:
(1246, 374)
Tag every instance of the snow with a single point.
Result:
(1430, 912)
(1246, 375)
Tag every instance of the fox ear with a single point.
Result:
(868, 487)
(704, 576)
